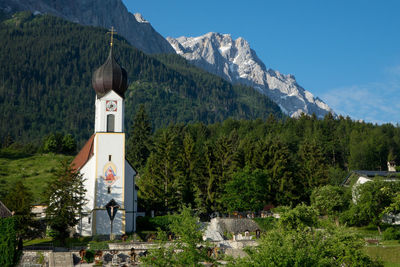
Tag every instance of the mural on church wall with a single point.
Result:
(110, 174)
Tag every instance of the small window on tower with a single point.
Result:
(109, 190)
(89, 219)
(110, 122)
(109, 157)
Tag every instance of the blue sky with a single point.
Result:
(345, 52)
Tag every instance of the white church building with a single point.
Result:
(108, 175)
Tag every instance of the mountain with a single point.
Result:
(219, 54)
(46, 66)
(103, 13)
(236, 62)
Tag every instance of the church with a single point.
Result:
(109, 177)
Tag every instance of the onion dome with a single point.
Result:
(110, 76)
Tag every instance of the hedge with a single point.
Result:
(9, 254)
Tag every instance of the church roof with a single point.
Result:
(354, 175)
(4, 211)
(110, 76)
(84, 155)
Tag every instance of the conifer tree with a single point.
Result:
(65, 199)
(314, 170)
(282, 169)
(161, 182)
(139, 142)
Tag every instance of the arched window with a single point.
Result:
(110, 122)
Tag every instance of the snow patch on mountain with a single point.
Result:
(139, 18)
(236, 62)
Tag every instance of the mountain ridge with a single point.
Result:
(102, 13)
(235, 61)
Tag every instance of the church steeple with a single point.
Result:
(110, 83)
(110, 76)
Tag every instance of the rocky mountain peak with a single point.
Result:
(235, 61)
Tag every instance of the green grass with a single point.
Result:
(94, 242)
(34, 170)
(38, 242)
(368, 232)
(390, 255)
(388, 250)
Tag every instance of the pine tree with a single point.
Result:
(314, 170)
(161, 183)
(282, 169)
(65, 199)
(139, 142)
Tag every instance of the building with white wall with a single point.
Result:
(108, 175)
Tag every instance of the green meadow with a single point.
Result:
(34, 170)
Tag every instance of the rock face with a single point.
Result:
(103, 13)
(236, 62)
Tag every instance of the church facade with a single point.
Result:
(108, 175)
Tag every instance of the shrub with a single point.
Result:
(151, 224)
(391, 233)
(162, 222)
(266, 224)
(89, 256)
(96, 245)
(8, 242)
(142, 223)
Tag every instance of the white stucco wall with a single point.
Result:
(101, 113)
(130, 198)
(109, 144)
(89, 175)
(361, 180)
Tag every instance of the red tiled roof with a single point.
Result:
(84, 155)
(268, 207)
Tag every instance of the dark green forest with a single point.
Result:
(46, 65)
(243, 165)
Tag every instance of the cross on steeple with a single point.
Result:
(112, 32)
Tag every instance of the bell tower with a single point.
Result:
(109, 176)
(109, 102)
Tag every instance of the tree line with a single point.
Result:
(243, 165)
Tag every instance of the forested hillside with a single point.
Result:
(46, 65)
(244, 165)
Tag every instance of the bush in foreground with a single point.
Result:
(297, 242)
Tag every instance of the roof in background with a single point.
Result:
(84, 155)
(371, 174)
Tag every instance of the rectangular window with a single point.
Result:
(109, 157)
(109, 190)
(110, 122)
(89, 219)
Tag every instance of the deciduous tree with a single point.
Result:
(19, 200)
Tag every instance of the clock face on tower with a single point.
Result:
(111, 105)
